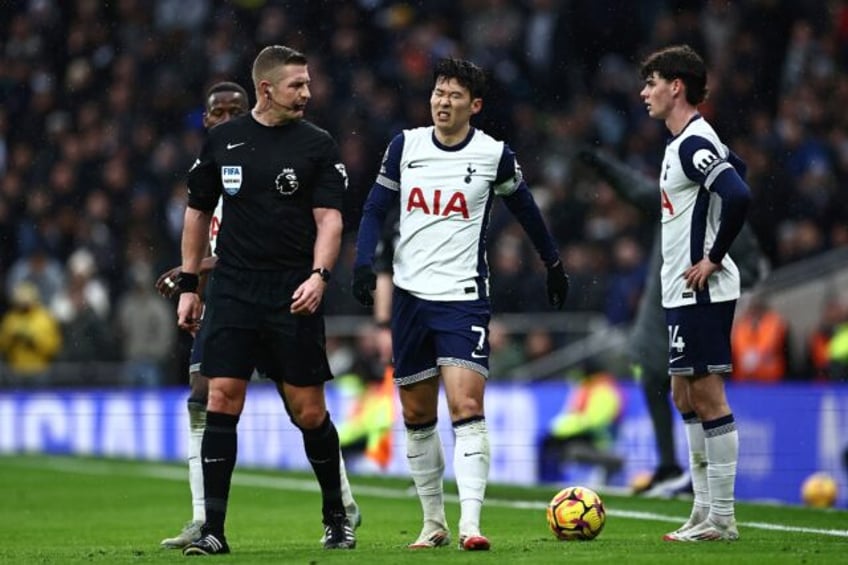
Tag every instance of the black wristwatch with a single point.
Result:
(325, 274)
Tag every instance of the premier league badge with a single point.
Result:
(287, 182)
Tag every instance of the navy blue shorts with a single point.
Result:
(699, 338)
(248, 325)
(427, 334)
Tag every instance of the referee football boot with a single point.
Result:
(338, 532)
(354, 516)
(708, 530)
(190, 533)
(209, 544)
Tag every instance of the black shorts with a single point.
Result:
(248, 323)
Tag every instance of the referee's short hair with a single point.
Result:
(272, 57)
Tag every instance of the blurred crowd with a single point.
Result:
(100, 118)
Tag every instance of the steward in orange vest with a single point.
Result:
(759, 344)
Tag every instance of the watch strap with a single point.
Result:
(325, 273)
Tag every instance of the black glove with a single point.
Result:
(557, 285)
(364, 282)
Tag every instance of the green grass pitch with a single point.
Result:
(56, 510)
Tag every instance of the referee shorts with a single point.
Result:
(248, 323)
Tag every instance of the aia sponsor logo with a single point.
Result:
(442, 203)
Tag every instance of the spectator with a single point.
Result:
(42, 270)
(837, 353)
(504, 353)
(146, 328)
(29, 337)
(585, 428)
(833, 314)
(627, 280)
(760, 343)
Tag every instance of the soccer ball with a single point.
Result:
(576, 513)
(819, 490)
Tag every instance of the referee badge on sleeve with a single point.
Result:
(231, 179)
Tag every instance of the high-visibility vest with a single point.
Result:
(370, 416)
(759, 348)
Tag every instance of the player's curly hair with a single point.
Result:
(679, 62)
(466, 73)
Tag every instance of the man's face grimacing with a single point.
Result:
(451, 105)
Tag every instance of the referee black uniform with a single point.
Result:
(270, 178)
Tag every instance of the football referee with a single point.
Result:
(282, 184)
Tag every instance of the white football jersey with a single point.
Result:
(691, 214)
(445, 202)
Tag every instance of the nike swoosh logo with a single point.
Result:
(467, 454)
(215, 460)
(415, 456)
(475, 355)
(415, 165)
(675, 359)
(234, 145)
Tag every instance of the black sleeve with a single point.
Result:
(204, 181)
(332, 178)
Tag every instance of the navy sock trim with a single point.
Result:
(418, 427)
(470, 420)
(719, 422)
(198, 403)
(690, 418)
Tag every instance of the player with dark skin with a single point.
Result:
(277, 245)
(224, 101)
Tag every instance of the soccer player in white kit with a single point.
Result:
(704, 201)
(443, 179)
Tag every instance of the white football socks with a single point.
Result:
(697, 466)
(722, 446)
(471, 466)
(347, 494)
(427, 467)
(196, 425)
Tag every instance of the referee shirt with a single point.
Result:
(270, 179)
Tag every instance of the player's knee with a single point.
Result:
(466, 407)
(417, 414)
(227, 402)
